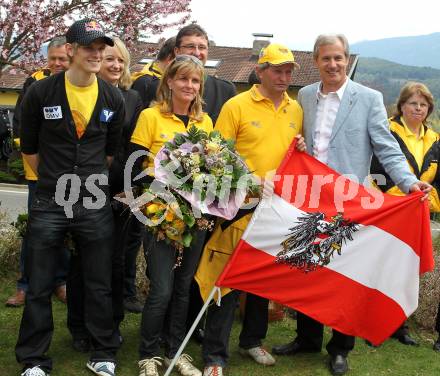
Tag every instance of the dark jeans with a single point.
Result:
(63, 255)
(219, 322)
(310, 337)
(132, 245)
(169, 288)
(92, 231)
(127, 230)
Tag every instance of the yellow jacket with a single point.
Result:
(428, 172)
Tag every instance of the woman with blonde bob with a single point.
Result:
(178, 106)
(420, 145)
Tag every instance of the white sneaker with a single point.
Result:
(184, 366)
(34, 371)
(260, 355)
(213, 371)
(102, 368)
(148, 367)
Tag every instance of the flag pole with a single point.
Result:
(191, 330)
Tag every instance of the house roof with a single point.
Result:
(235, 64)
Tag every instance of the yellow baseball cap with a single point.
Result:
(276, 54)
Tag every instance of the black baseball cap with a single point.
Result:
(86, 31)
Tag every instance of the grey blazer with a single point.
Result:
(361, 128)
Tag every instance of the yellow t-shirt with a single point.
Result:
(154, 128)
(82, 101)
(262, 133)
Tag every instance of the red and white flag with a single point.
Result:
(371, 284)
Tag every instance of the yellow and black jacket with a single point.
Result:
(36, 76)
(429, 171)
(146, 82)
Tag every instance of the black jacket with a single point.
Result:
(217, 92)
(133, 107)
(47, 128)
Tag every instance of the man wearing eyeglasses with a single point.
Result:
(193, 40)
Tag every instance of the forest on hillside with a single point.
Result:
(389, 77)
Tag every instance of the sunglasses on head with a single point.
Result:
(189, 58)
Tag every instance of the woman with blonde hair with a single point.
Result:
(178, 106)
(420, 145)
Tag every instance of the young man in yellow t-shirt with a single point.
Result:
(71, 124)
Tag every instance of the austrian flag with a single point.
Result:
(347, 256)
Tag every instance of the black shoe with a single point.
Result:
(407, 340)
(290, 348)
(338, 365)
(437, 345)
(132, 304)
(81, 345)
(368, 343)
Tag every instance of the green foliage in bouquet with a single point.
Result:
(208, 163)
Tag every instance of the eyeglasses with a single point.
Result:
(192, 47)
(188, 58)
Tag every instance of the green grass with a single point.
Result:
(391, 358)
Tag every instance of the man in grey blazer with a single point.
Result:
(344, 123)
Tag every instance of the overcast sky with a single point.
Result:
(297, 23)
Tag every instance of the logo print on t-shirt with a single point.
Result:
(106, 115)
(80, 122)
(52, 112)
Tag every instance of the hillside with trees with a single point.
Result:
(389, 77)
(420, 50)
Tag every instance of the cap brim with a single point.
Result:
(107, 40)
(296, 65)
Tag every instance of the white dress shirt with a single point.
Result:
(326, 111)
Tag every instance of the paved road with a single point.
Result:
(13, 200)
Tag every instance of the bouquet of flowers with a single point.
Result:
(170, 218)
(206, 170)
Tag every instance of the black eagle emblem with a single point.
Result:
(313, 241)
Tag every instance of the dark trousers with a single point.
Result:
(219, 322)
(131, 249)
(92, 230)
(169, 290)
(310, 337)
(401, 331)
(127, 230)
(63, 255)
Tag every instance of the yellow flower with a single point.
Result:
(169, 216)
(179, 225)
(212, 147)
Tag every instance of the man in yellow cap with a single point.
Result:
(263, 122)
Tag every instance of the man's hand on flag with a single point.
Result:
(300, 143)
(421, 186)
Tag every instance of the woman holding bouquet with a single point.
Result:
(178, 106)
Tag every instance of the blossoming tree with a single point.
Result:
(26, 24)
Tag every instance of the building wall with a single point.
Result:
(8, 99)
